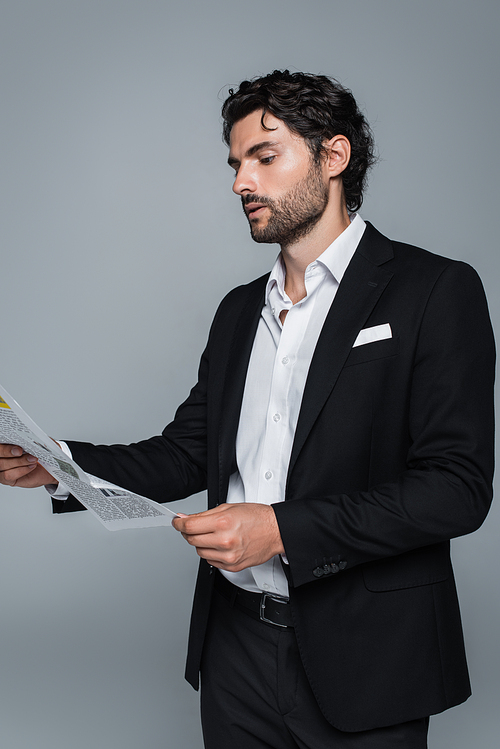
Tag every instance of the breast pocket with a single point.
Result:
(373, 351)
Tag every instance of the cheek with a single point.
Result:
(280, 185)
(293, 169)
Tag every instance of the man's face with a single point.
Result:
(283, 191)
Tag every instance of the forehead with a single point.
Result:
(249, 131)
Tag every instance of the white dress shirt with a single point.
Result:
(276, 377)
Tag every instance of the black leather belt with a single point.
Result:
(266, 607)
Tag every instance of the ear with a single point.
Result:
(338, 151)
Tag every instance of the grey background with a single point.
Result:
(120, 234)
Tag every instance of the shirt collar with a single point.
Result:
(335, 258)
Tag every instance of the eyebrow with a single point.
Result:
(253, 150)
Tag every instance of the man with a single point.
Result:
(342, 423)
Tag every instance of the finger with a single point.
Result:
(203, 540)
(9, 451)
(206, 522)
(12, 476)
(26, 460)
(190, 526)
(232, 564)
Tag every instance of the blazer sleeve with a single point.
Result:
(445, 488)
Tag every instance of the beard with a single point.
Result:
(293, 215)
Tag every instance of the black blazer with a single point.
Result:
(392, 457)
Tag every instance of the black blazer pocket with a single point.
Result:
(430, 564)
(371, 351)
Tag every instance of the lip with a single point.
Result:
(253, 210)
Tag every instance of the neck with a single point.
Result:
(297, 256)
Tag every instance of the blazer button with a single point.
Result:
(342, 565)
(326, 569)
(317, 572)
(334, 568)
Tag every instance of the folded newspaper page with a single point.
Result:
(115, 507)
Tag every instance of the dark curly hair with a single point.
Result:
(317, 108)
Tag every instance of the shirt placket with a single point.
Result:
(273, 468)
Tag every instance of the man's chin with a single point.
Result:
(262, 236)
(262, 239)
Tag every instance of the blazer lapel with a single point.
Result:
(362, 285)
(234, 381)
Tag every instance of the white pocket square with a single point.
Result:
(370, 335)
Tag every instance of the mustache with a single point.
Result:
(261, 199)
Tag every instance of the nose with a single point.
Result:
(244, 182)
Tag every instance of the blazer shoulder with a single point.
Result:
(421, 262)
(412, 255)
(435, 270)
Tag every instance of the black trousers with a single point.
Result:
(255, 694)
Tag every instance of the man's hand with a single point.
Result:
(233, 536)
(17, 468)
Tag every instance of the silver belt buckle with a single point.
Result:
(262, 613)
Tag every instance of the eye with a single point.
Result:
(267, 159)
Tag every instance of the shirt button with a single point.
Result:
(276, 417)
(265, 586)
(285, 360)
(268, 475)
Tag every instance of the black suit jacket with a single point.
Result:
(392, 457)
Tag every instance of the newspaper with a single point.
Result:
(115, 507)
